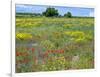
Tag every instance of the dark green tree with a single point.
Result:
(50, 12)
(68, 14)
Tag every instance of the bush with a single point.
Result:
(68, 14)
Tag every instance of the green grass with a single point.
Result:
(51, 39)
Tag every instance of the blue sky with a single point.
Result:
(76, 11)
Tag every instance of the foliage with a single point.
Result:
(50, 12)
(68, 14)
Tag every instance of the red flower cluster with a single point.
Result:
(21, 53)
(33, 50)
(56, 51)
(46, 54)
(53, 51)
(60, 51)
(30, 49)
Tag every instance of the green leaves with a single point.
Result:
(68, 14)
(50, 12)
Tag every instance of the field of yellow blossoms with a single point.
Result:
(51, 44)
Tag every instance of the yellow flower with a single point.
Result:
(77, 36)
(75, 33)
(23, 36)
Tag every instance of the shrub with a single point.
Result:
(68, 14)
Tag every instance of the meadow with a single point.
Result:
(54, 43)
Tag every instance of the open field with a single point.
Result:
(51, 43)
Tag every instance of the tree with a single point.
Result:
(68, 14)
(50, 12)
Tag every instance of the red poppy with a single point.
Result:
(46, 54)
(57, 51)
(48, 51)
(21, 53)
(33, 50)
(17, 53)
(52, 51)
(61, 51)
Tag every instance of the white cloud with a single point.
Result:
(91, 14)
(21, 6)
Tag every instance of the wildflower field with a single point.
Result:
(54, 43)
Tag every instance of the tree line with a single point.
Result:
(50, 12)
